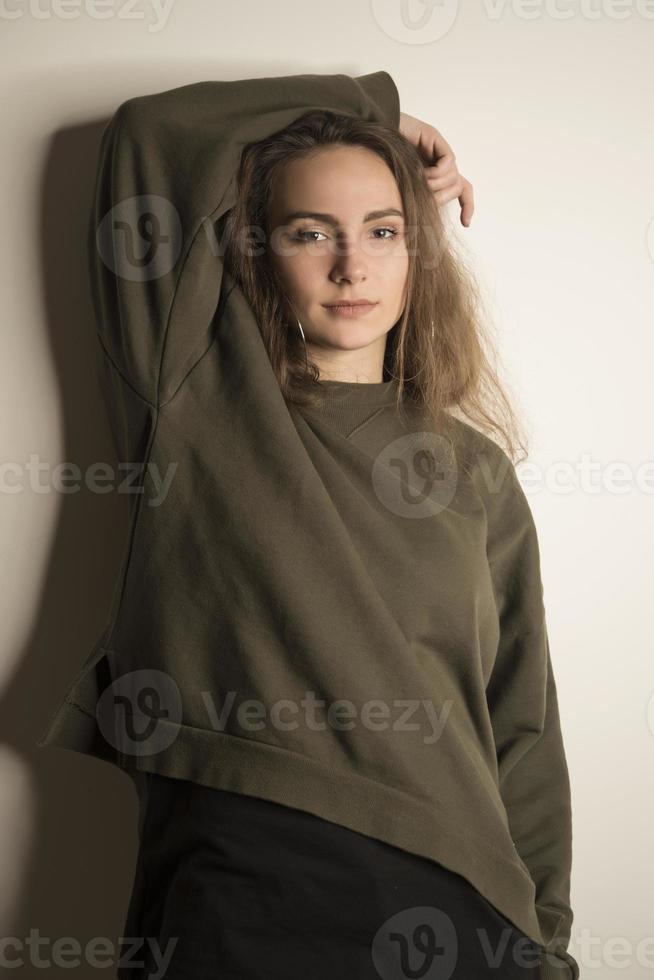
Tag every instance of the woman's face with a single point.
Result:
(336, 233)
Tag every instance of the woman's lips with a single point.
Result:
(351, 311)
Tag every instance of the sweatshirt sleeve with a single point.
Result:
(165, 176)
(522, 699)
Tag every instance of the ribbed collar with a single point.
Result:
(359, 392)
(347, 404)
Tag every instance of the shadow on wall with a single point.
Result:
(78, 869)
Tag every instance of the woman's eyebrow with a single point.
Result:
(330, 219)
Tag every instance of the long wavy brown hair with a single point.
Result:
(446, 372)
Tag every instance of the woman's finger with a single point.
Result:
(467, 202)
(445, 164)
(441, 183)
(462, 191)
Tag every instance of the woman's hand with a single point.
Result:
(440, 165)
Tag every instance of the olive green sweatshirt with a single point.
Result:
(314, 607)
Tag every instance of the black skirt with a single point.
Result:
(232, 887)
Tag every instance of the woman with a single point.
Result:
(327, 663)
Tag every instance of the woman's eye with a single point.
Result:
(301, 235)
(392, 231)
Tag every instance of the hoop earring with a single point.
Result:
(304, 340)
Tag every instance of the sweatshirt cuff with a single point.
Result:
(381, 89)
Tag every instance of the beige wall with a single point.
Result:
(549, 110)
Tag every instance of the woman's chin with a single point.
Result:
(347, 336)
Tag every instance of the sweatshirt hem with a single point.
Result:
(361, 804)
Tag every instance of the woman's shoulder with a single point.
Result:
(487, 466)
(477, 446)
